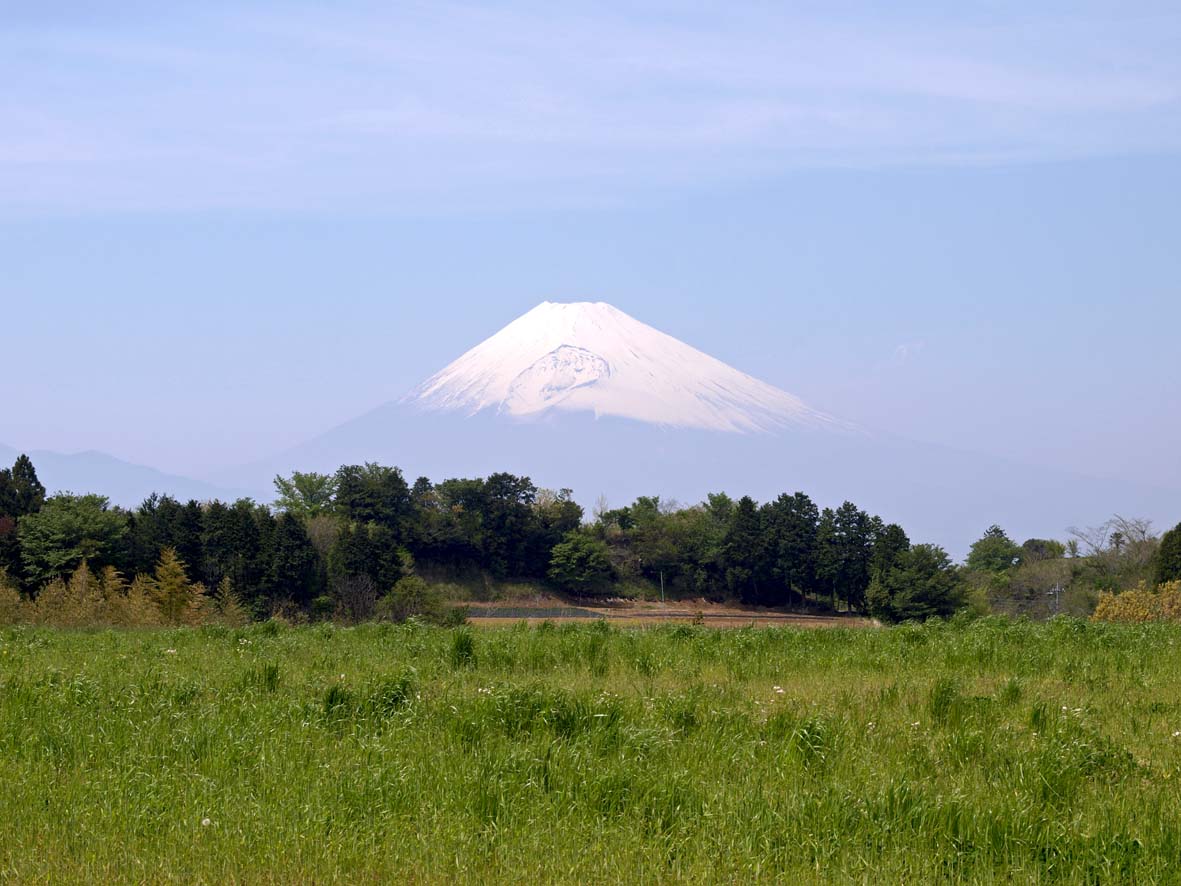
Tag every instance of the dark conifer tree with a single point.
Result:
(163, 522)
(233, 545)
(743, 550)
(9, 545)
(790, 523)
(27, 491)
(889, 542)
(294, 569)
(844, 553)
(1168, 556)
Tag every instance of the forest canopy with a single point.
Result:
(363, 541)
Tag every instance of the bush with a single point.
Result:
(1141, 604)
(580, 564)
(323, 607)
(413, 597)
(11, 605)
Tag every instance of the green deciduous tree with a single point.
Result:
(557, 515)
(305, 495)
(580, 564)
(67, 530)
(1036, 549)
(922, 583)
(994, 551)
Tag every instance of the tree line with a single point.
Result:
(349, 544)
(785, 553)
(1045, 577)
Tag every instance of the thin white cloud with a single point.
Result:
(906, 352)
(428, 104)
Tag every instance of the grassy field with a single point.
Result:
(988, 752)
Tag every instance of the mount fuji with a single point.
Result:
(585, 357)
(584, 396)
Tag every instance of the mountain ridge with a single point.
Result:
(122, 482)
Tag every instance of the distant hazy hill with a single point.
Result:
(122, 482)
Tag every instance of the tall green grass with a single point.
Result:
(986, 752)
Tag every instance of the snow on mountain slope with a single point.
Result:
(592, 357)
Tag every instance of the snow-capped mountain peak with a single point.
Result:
(590, 356)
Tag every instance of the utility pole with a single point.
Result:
(1056, 593)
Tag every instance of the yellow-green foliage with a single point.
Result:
(74, 603)
(86, 600)
(1141, 604)
(140, 605)
(226, 608)
(11, 607)
(173, 593)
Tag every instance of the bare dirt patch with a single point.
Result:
(630, 612)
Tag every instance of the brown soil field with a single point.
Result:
(630, 612)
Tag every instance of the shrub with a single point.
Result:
(323, 606)
(1141, 604)
(139, 608)
(75, 603)
(410, 596)
(580, 564)
(227, 608)
(12, 608)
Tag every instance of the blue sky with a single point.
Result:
(223, 229)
